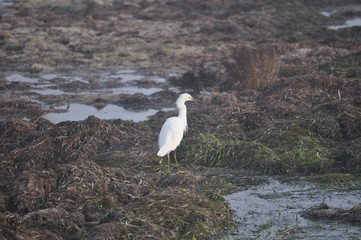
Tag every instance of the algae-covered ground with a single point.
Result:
(278, 85)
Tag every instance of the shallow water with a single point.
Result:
(78, 112)
(122, 82)
(272, 211)
(349, 23)
(49, 89)
(6, 3)
(124, 75)
(328, 13)
(16, 77)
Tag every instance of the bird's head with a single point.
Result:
(184, 97)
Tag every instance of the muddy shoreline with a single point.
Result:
(279, 86)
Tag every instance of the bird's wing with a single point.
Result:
(170, 135)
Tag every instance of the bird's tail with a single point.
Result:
(162, 152)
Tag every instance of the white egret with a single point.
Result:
(173, 128)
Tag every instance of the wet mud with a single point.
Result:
(276, 210)
(86, 85)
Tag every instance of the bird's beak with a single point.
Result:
(194, 99)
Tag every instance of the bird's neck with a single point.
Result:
(182, 113)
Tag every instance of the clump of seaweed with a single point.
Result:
(245, 68)
(200, 77)
(19, 109)
(180, 213)
(347, 66)
(313, 141)
(324, 212)
(273, 152)
(295, 71)
(51, 187)
(347, 155)
(333, 120)
(251, 68)
(46, 146)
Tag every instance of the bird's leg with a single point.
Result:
(175, 158)
(168, 160)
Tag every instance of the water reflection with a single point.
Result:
(78, 112)
(121, 82)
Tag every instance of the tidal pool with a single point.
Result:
(44, 87)
(328, 13)
(16, 77)
(78, 112)
(272, 211)
(349, 23)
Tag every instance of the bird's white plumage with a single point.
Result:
(170, 135)
(173, 129)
